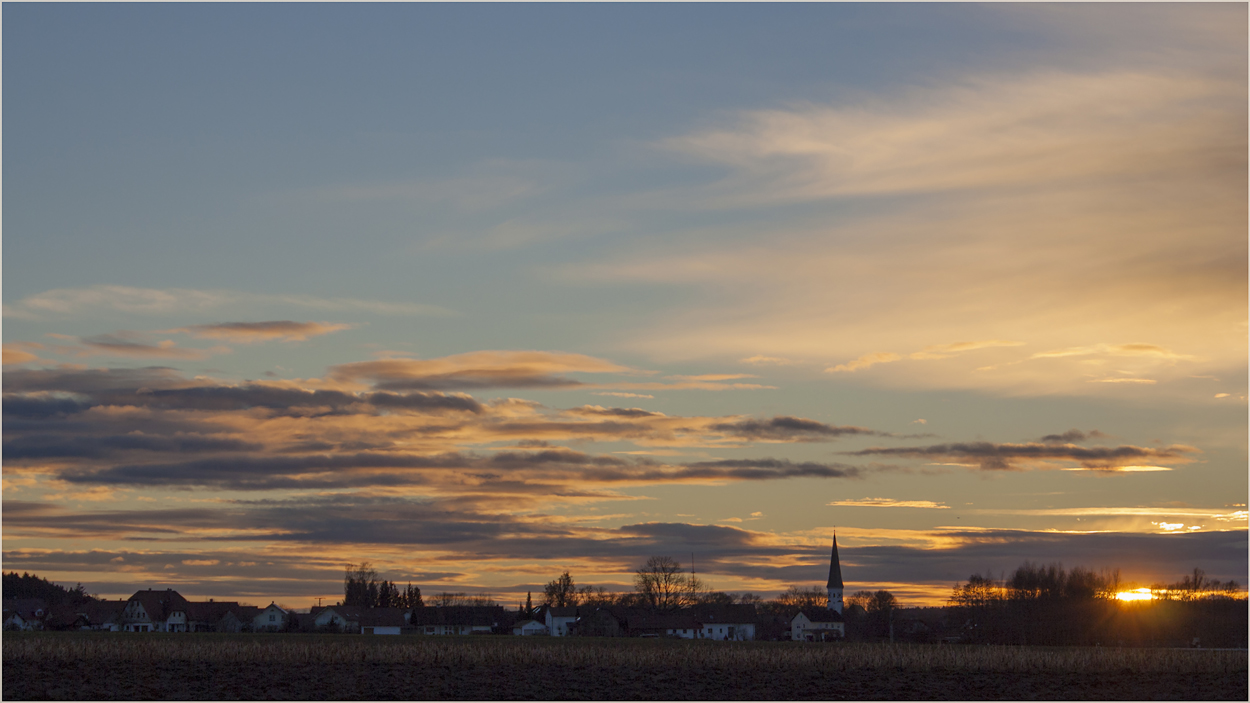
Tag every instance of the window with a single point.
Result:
(271, 617)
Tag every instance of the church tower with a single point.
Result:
(835, 579)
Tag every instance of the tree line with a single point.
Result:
(1049, 605)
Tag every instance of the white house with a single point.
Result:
(456, 619)
(817, 625)
(558, 620)
(24, 614)
(155, 611)
(383, 621)
(529, 627)
(343, 617)
(271, 619)
(725, 622)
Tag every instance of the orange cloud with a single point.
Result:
(246, 332)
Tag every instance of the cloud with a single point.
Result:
(864, 362)
(128, 344)
(1035, 207)
(1016, 457)
(941, 351)
(1072, 436)
(764, 360)
(633, 395)
(171, 301)
(790, 429)
(15, 354)
(887, 503)
(1034, 129)
(245, 332)
(475, 370)
(1135, 350)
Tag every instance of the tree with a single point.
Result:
(360, 585)
(388, 595)
(412, 597)
(561, 592)
(860, 599)
(796, 597)
(595, 596)
(529, 604)
(660, 583)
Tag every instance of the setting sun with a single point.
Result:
(1135, 594)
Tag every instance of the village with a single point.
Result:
(166, 610)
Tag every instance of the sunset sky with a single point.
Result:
(481, 293)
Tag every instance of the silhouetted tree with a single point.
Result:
(561, 592)
(360, 585)
(660, 583)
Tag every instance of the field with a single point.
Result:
(42, 666)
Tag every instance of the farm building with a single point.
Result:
(24, 614)
(529, 627)
(155, 611)
(458, 619)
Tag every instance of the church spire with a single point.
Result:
(835, 569)
(835, 579)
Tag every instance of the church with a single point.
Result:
(822, 624)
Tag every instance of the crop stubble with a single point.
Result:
(222, 667)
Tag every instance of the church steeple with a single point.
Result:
(835, 579)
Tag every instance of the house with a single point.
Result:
(272, 618)
(814, 624)
(101, 615)
(219, 616)
(384, 621)
(24, 614)
(155, 611)
(344, 618)
(725, 622)
(604, 621)
(458, 619)
(662, 624)
(529, 627)
(558, 620)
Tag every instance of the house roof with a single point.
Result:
(25, 607)
(383, 617)
(717, 614)
(211, 611)
(662, 621)
(835, 568)
(816, 614)
(565, 612)
(159, 605)
(99, 612)
(472, 615)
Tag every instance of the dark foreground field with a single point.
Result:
(224, 667)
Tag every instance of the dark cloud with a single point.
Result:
(127, 346)
(36, 446)
(88, 381)
(1014, 457)
(759, 469)
(473, 381)
(476, 538)
(790, 429)
(614, 412)
(1072, 436)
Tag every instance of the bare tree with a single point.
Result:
(561, 592)
(660, 583)
(803, 597)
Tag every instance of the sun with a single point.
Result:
(1135, 594)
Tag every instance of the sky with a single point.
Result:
(482, 293)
